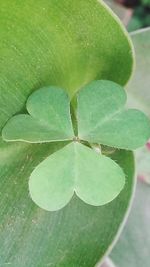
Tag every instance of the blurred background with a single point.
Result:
(135, 14)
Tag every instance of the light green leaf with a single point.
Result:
(63, 43)
(139, 87)
(49, 118)
(78, 235)
(102, 117)
(133, 247)
(95, 178)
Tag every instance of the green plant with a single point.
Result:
(95, 178)
(61, 43)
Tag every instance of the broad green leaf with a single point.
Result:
(102, 117)
(132, 249)
(77, 235)
(49, 118)
(78, 169)
(63, 43)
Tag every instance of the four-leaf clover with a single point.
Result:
(102, 119)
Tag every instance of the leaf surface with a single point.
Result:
(102, 117)
(61, 43)
(95, 179)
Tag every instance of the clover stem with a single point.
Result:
(76, 139)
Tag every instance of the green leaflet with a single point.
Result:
(102, 117)
(49, 118)
(96, 179)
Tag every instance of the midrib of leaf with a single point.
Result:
(57, 118)
(105, 120)
(76, 165)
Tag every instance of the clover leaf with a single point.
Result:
(76, 168)
(49, 118)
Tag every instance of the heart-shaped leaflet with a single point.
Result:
(49, 118)
(96, 179)
(102, 117)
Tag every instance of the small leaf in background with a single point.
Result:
(49, 118)
(102, 117)
(95, 178)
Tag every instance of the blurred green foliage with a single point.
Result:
(141, 16)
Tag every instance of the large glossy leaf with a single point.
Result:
(77, 235)
(62, 43)
(94, 178)
(132, 249)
